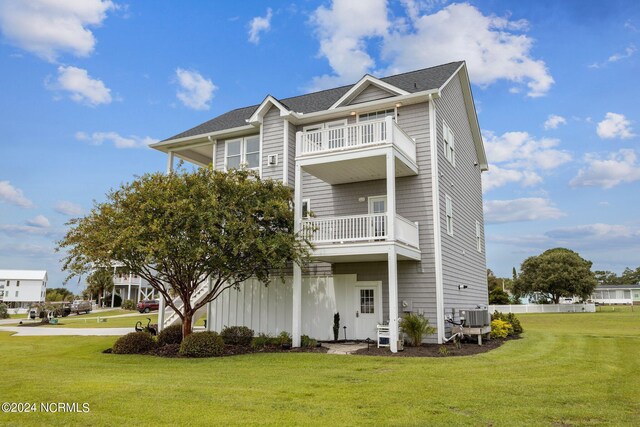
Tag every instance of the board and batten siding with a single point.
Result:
(272, 144)
(371, 93)
(462, 264)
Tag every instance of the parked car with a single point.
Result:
(81, 306)
(61, 309)
(148, 305)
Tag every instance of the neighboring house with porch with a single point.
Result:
(387, 180)
(130, 286)
(619, 294)
(23, 288)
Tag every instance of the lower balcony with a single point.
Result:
(359, 238)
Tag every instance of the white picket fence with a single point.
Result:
(544, 308)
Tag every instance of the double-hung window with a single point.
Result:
(449, 213)
(243, 153)
(449, 143)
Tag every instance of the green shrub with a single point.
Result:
(134, 343)
(128, 305)
(202, 344)
(515, 323)
(516, 327)
(307, 342)
(4, 311)
(237, 335)
(284, 339)
(500, 329)
(264, 340)
(416, 326)
(170, 335)
(443, 351)
(169, 350)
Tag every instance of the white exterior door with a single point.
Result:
(366, 312)
(378, 205)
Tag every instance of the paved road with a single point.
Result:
(56, 331)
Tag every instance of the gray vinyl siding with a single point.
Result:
(371, 93)
(272, 143)
(462, 264)
(416, 280)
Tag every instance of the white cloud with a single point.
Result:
(520, 157)
(497, 177)
(525, 209)
(618, 168)
(595, 231)
(343, 30)
(47, 28)
(98, 138)
(554, 121)
(13, 195)
(40, 221)
(26, 249)
(628, 52)
(67, 208)
(12, 229)
(615, 126)
(259, 25)
(195, 91)
(493, 47)
(81, 87)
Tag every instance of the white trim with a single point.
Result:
(361, 85)
(371, 199)
(437, 238)
(214, 152)
(285, 153)
(265, 105)
(243, 151)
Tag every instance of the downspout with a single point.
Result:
(437, 239)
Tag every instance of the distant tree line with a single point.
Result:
(609, 278)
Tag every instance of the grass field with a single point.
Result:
(569, 369)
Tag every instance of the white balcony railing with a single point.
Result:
(354, 136)
(359, 228)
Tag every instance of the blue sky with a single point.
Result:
(86, 85)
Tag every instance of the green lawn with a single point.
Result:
(569, 369)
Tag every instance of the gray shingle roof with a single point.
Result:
(413, 81)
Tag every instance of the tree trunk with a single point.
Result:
(186, 325)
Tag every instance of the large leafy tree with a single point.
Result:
(181, 229)
(556, 273)
(59, 294)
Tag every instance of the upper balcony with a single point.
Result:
(356, 152)
(357, 238)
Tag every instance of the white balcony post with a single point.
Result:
(388, 131)
(391, 195)
(296, 323)
(170, 156)
(392, 261)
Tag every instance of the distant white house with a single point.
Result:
(23, 288)
(621, 294)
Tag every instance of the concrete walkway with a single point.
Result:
(346, 348)
(32, 331)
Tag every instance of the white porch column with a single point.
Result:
(170, 162)
(296, 303)
(129, 288)
(393, 299)
(161, 308)
(210, 307)
(113, 296)
(391, 195)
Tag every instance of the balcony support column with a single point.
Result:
(391, 195)
(162, 303)
(296, 318)
(392, 262)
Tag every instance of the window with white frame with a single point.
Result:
(449, 143)
(478, 238)
(449, 213)
(377, 115)
(243, 153)
(306, 208)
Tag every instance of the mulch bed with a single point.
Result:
(171, 350)
(434, 350)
